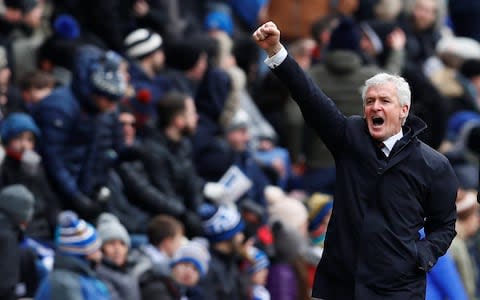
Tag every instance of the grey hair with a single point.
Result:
(403, 88)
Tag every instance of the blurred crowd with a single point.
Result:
(148, 153)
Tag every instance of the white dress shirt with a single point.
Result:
(390, 142)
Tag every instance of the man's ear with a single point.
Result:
(404, 111)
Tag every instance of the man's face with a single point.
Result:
(128, 125)
(34, 17)
(383, 111)
(424, 14)
(190, 117)
(238, 139)
(158, 60)
(116, 251)
(104, 104)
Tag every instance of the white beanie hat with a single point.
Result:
(109, 228)
(285, 209)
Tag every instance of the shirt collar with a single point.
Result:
(390, 142)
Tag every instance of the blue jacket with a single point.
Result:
(148, 92)
(77, 146)
(72, 279)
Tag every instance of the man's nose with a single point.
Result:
(376, 105)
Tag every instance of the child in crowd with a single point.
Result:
(165, 236)
(257, 268)
(73, 275)
(113, 269)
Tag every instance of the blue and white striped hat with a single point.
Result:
(74, 236)
(220, 223)
(258, 260)
(194, 252)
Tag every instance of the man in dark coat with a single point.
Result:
(390, 184)
(168, 160)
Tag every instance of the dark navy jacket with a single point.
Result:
(78, 146)
(372, 247)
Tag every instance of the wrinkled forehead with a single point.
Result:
(386, 89)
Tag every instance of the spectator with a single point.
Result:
(189, 264)
(136, 199)
(168, 158)
(22, 27)
(10, 98)
(145, 49)
(223, 227)
(35, 86)
(187, 62)
(165, 236)
(466, 226)
(238, 138)
(422, 33)
(23, 165)
(16, 209)
(81, 137)
(319, 212)
(257, 268)
(114, 268)
(78, 249)
(287, 277)
(287, 210)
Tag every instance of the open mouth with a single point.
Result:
(377, 121)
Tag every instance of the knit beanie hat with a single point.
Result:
(240, 120)
(66, 26)
(285, 209)
(319, 205)
(220, 223)
(257, 260)
(106, 78)
(219, 20)
(17, 202)
(74, 236)
(15, 124)
(346, 36)
(141, 42)
(195, 252)
(109, 228)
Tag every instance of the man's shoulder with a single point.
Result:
(432, 157)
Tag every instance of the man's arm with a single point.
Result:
(55, 126)
(319, 111)
(440, 214)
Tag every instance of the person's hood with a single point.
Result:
(342, 61)
(86, 58)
